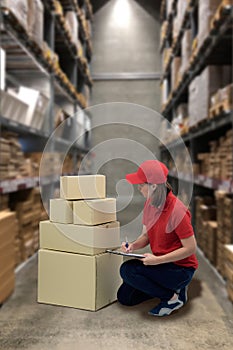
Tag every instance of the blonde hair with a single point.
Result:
(159, 194)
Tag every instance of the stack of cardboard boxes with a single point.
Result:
(224, 204)
(74, 268)
(8, 223)
(214, 227)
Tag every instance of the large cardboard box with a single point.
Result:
(61, 211)
(79, 281)
(83, 187)
(94, 212)
(88, 240)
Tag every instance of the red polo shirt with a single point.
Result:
(167, 226)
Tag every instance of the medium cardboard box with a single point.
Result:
(61, 211)
(94, 212)
(80, 281)
(83, 187)
(88, 240)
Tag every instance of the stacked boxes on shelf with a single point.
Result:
(214, 226)
(224, 204)
(8, 223)
(205, 216)
(27, 237)
(218, 162)
(229, 269)
(74, 269)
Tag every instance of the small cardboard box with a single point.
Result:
(80, 281)
(83, 187)
(61, 211)
(89, 240)
(94, 212)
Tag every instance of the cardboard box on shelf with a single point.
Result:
(12, 107)
(8, 231)
(212, 241)
(72, 238)
(94, 212)
(80, 281)
(38, 104)
(83, 187)
(61, 211)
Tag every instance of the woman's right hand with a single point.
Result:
(127, 250)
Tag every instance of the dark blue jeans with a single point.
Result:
(142, 282)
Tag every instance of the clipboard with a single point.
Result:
(133, 255)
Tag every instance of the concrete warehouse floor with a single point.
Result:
(206, 322)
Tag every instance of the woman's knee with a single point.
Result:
(128, 267)
(123, 295)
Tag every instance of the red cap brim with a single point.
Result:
(134, 179)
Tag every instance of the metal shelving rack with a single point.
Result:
(27, 65)
(215, 50)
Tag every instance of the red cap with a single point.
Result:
(151, 171)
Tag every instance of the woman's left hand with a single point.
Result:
(151, 259)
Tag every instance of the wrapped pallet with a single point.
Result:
(202, 87)
(19, 8)
(206, 10)
(36, 21)
(186, 49)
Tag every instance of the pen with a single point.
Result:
(126, 243)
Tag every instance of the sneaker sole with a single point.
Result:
(168, 311)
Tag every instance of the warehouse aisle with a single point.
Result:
(202, 324)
